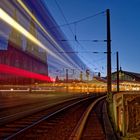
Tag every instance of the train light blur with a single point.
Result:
(9, 20)
(24, 73)
(35, 19)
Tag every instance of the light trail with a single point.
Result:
(34, 18)
(39, 24)
(9, 20)
(24, 73)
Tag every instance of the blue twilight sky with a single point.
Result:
(125, 30)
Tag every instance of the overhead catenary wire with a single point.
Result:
(67, 23)
(74, 35)
(62, 13)
(82, 52)
(75, 23)
(80, 20)
(75, 31)
(85, 40)
(69, 27)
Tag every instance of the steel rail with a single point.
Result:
(77, 133)
(46, 117)
(31, 111)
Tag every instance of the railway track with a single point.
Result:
(94, 124)
(10, 114)
(80, 119)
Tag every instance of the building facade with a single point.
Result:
(126, 76)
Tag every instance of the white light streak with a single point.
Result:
(9, 20)
(35, 19)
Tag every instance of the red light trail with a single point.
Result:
(24, 73)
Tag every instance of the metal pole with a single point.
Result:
(109, 87)
(117, 57)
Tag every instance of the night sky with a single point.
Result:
(125, 30)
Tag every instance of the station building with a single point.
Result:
(126, 76)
